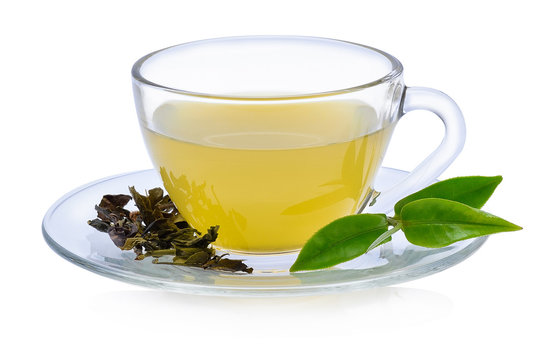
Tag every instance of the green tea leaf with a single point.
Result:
(470, 190)
(341, 240)
(437, 223)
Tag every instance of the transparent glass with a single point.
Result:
(66, 231)
(273, 137)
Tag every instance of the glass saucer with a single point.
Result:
(67, 233)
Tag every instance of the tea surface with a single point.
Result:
(269, 174)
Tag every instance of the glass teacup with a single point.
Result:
(273, 137)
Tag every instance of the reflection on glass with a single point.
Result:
(269, 175)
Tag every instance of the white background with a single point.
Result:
(65, 98)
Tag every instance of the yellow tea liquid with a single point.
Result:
(269, 174)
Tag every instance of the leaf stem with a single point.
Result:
(385, 235)
(392, 220)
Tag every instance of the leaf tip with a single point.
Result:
(516, 227)
(511, 226)
(498, 179)
(295, 267)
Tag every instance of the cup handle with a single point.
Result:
(420, 98)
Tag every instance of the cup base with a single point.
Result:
(255, 253)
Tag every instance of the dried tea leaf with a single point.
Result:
(142, 203)
(117, 235)
(155, 195)
(99, 224)
(225, 264)
(199, 259)
(186, 238)
(154, 205)
(131, 243)
(159, 253)
(105, 214)
(186, 252)
(114, 201)
(158, 229)
(111, 207)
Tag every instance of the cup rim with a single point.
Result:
(396, 71)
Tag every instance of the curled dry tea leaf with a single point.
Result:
(158, 230)
(114, 219)
(100, 225)
(222, 263)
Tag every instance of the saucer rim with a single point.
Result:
(390, 278)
